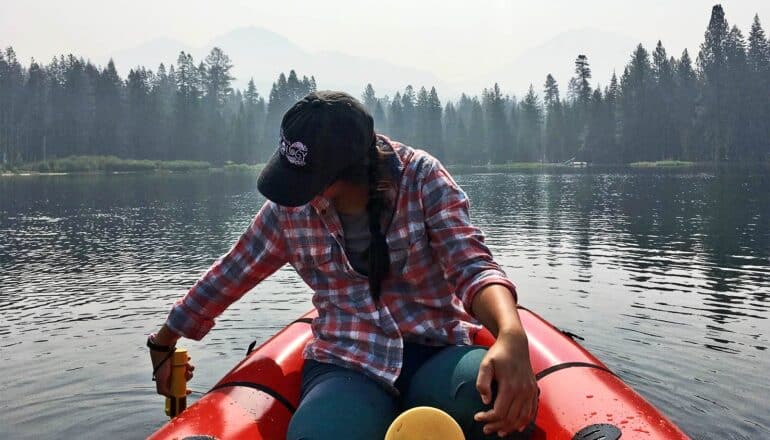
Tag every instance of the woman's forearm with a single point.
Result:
(495, 307)
(166, 336)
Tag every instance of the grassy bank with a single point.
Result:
(512, 166)
(96, 164)
(662, 164)
(243, 168)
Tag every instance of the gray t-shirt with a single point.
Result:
(357, 236)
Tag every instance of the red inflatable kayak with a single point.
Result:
(580, 398)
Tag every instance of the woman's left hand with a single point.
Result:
(515, 406)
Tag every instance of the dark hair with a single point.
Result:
(373, 174)
(379, 260)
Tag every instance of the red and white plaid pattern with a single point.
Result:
(438, 263)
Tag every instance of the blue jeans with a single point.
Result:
(339, 403)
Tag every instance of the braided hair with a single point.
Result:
(372, 173)
(379, 260)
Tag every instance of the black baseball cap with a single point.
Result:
(322, 135)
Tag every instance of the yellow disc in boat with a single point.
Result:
(424, 423)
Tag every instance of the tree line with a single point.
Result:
(716, 108)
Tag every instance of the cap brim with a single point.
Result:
(288, 185)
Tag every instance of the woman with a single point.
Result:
(401, 281)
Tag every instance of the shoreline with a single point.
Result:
(86, 165)
(99, 165)
(228, 170)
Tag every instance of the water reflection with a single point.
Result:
(667, 275)
(677, 263)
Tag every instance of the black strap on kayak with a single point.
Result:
(573, 336)
(300, 320)
(259, 387)
(557, 367)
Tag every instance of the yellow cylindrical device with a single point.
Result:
(424, 423)
(177, 403)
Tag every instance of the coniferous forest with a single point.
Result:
(713, 108)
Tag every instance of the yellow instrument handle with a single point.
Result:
(178, 402)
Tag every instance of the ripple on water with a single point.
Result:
(666, 277)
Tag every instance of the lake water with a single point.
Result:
(665, 274)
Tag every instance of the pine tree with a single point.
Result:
(475, 152)
(497, 147)
(252, 111)
(758, 104)
(434, 125)
(276, 106)
(514, 128)
(187, 108)
(553, 143)
(218, 78)
(712, 64)
(582, 75)
(595, 145)
(78, 120)
(737, 97)
(294, 88)
(421, 114)
(580, 90)
(380, 120)
(34, 140)
(636, 87)
(163, 99)
(759, 48)
(11, 87)
(408, 117)
(218, 88)
(109, 103)
(396, 118)
(685, 105)
(663, 143)
(369, 98)
(612, 96)
(550, 92)
(529, 134)
(451, 132)
(55, 112)
(138, 97)
(469, 150)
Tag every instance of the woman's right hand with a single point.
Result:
(163, 373)
(161, 361)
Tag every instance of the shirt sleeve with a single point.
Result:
(467, 262)
(258, 253)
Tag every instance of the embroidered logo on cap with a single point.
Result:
(293, 152)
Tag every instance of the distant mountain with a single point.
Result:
(262, 54)
(605, 50)
(149, 54)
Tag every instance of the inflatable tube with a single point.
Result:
(580, 398)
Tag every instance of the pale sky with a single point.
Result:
(449, 38)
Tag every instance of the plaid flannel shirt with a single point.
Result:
(438, 264)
